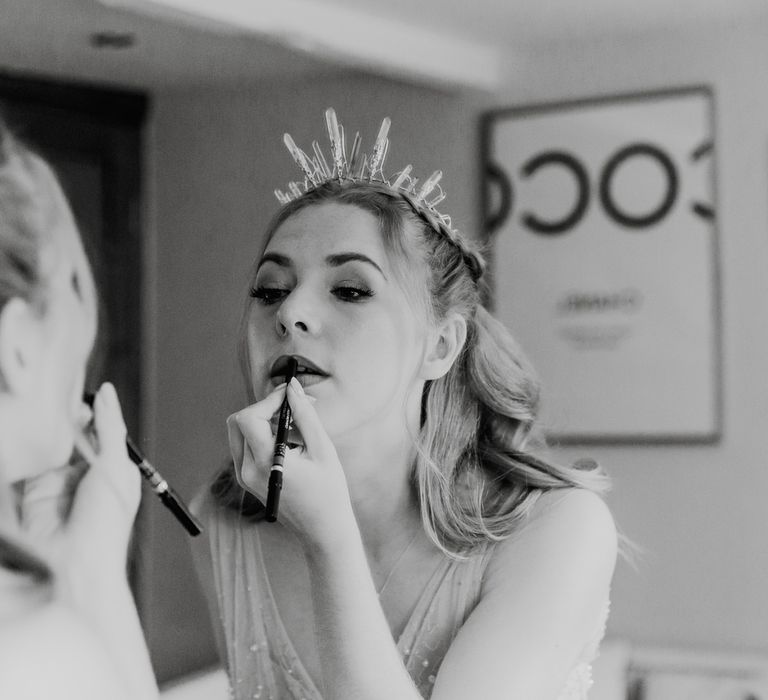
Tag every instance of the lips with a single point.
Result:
(306, 368)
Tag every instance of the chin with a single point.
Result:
(67, 455)
(61, 450)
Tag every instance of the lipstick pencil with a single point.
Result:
(281, 444)
(159, 485)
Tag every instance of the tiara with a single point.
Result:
(368, 169)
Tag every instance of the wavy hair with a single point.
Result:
(480, 463)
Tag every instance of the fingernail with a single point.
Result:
(296, 384)
(107, 392)
(84, 417)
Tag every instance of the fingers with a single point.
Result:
(242, 456)
(264, 409)
(104, 447)
(85, 448)
(108, 420)
(316, 440)
(254, 420)
(250, 438)
(236, 441)
(102, 425)
(252, 475)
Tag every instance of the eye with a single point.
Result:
(268, 295)
(348, 292)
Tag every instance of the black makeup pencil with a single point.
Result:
(159, 485)
(281, 444)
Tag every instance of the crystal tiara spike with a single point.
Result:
(365, 168)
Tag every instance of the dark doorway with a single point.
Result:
(93, 139)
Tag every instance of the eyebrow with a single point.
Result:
(335, 260)
(341, 258)
(281, 260)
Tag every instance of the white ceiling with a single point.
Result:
(515, 22)
(449, 42)
(53, 37)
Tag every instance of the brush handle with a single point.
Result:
(275, 485)
(273, 492)
(173, 503)
(158, 484)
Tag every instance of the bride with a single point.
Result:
(425, 547)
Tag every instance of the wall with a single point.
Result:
(698, 511)
(216, 156)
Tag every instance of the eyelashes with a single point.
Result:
(351, 293)
(268, 295)
(344, 292)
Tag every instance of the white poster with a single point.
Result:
(604, 260)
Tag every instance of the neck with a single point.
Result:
(383, 499)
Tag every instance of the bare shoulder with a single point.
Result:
(50, 652)
(577, 511)
(570, 531)
(543, 603)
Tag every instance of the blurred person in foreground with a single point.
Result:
(68, 625)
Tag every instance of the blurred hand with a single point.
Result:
(314, 502)
(88, 531)
(46, 499)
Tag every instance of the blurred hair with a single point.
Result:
(479, 467)
(29, 203)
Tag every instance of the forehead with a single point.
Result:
(319, 229)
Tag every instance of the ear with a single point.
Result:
(445, 344)
(20, 344)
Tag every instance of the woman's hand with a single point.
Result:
(314, 502)
(89, 551)
(98, 529)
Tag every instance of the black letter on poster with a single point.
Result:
(613, 164)
(578, 171)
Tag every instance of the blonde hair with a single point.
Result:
(479, 467)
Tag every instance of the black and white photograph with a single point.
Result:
(357, 350)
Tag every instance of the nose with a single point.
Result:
(294, 316)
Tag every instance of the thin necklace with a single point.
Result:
(397, 562)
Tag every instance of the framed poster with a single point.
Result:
(604, 259)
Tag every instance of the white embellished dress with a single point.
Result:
(261, 661)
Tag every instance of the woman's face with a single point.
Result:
(325, 291)
(66, 331)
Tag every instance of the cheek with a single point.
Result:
(73, 367)
(82, 348)
(389, 335)
(255, 354)
(385, 355)
(255, 345)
